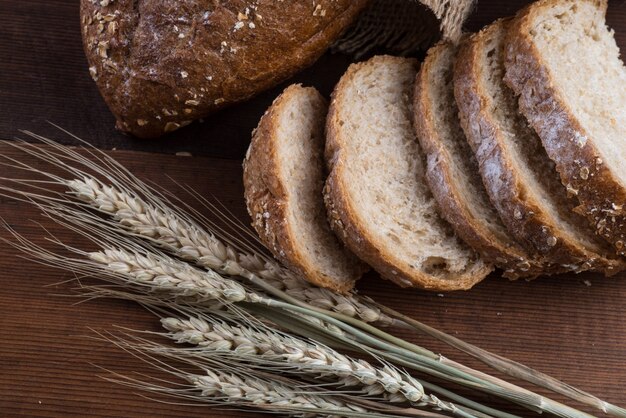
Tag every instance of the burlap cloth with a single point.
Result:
(404, 27)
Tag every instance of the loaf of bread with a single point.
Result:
(452, 171)
(521, 180)
(160, 64)
(283, 178)
(563, 62)
(377, 198)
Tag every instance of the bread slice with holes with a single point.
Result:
(452, 170)
(283, 178)
(377, 198)
(520, 178)
(565, 65)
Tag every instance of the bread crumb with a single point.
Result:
(587, 283)
(183, 154)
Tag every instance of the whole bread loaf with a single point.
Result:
(160, 64)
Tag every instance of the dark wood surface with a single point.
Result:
(571, 326)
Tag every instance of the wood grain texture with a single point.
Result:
(571, 327)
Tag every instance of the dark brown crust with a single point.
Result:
(521, 212)
(599, 191)
(267, 199)
(161, 64)
(507, 255)
(342, 216)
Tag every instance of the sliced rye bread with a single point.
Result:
(284, 178)
(452, 170)
(564, 63)
(520, 178)
(376, 194)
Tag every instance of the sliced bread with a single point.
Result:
(284, 178)
(376, 194)
(521, 180)
(564, 63)
(452, 170)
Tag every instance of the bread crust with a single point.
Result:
(508, 256)
(160, 64)
(521, 212)
(600, 193)
(342, 216)
(267, 199)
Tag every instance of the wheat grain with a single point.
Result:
(189, 241)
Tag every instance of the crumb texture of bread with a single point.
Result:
(284, 178)
(520, 178)
(160, 64)
(563, 62)
(376, 194)
(452, 171)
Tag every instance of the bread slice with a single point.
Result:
(283, 178)
(376, 194)
(452, 170)
(564, 63)
(520, 178)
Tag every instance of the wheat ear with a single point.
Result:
(175, 278)
(263, 394)
(268, 349)
(189, 241)
(224, 382)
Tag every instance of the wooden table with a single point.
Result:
(571, 327)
